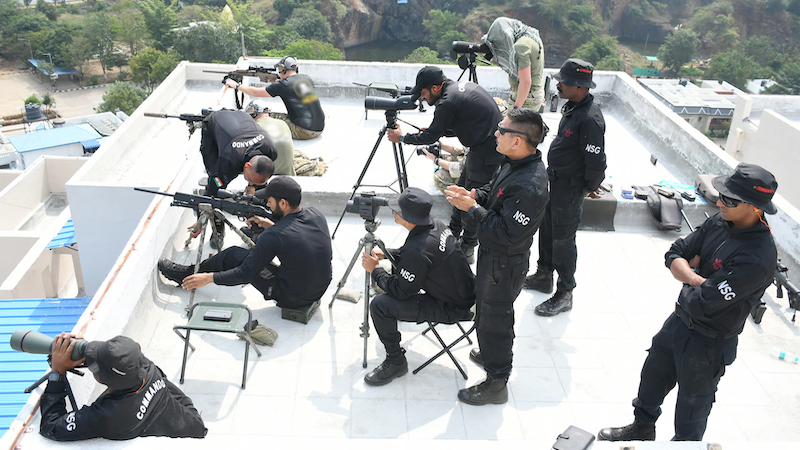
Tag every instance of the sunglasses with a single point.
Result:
(729, 202)
(504, 130)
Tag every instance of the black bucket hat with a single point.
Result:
(751, 184)
(426, 77)
(576, 72)
(413, 205)
(117, 362)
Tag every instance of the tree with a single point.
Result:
(442, 27)
(79, 52)
(150, 67)
(423, 55)
(48, 9)
(583, 23)
(308, 49)
(310, 24)
(734, 67)
(598, 48)
(788, 80)
(678, 49)
(251, 25)
(763, 50)
(102, 29)
(160, 18)
(285, 8)
(134, 31)
(123, 96)
(207, 43)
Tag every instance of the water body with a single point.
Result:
(638, 46)
(382, 50)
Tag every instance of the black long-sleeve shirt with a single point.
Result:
(512, 206)
(157, 408)
(430, 259)
(302, 243)
(468, 112)
(229, 140)
(738, 266)
(578, 150)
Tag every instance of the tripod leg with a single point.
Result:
(347, 272)
(402, 176)
(249, 242)
(204, 222)
(361, 177)
(368, 244)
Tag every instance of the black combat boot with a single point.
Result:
(491, 390)
(637, 431)
(395, 365)
(475, 356)
(560, 302)
(541, 281)
(174, 272)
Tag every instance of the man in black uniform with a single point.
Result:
(305, 117)
(232, 144)
(431, 260)
(576, 167)
(139, 401)
(465, 110)
(299, 238)
(508, 212)
(725, 265)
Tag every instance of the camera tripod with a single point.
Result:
(468, 63)
(209, 216)
(70, 395)
(399, 163)
(365, 244)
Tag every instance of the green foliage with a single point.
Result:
(159, 18)
(610, 62)
(714, 25)
(678, 49)
(763, 50)
(250, 24)
(690, 73)
(574, 19)
(32, 99)
(793, 6)
(286, 8)
(340, 9)
(94, 80)
(788, 80)
(280, 36)
(599, 48)
(134, 32)
(308, 49)
(123, 75)
(734, 67)
(150, 67)
(423, 55)
(54, 40)
(207, 43)
(48, 99)
(79, 52)
(102, 30)
(462, 7)
(48, 9)
(442, 27)
(123, 96)
(310, 24)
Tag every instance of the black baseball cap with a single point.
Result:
(426, 77)
(284, 188)
(751, 184)
(576, 72)
(413, 205)
(117, 362)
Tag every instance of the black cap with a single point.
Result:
(117, 362)
(751, 184)
(285, 188)
(413, 205)
(426, 77)
(576, 72)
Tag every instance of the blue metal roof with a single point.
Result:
(19, 370)
(54, 137)
(65, 236)
(61, 70)
(90, 144)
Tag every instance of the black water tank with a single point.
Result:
(33, 111)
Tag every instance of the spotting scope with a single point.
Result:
(34, 342)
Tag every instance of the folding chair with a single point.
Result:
(221, 318)
(446, 347)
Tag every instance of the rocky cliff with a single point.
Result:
(369, 20)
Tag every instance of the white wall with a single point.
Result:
(7, 176)
(28, 158)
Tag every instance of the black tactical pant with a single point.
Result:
(557, 249)
(265, 282)
(387, 310)
(693, 361)
(499, 282)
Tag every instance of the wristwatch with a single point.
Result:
(55, 376)
(436, 161)
(402, 139)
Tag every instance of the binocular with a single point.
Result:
(41, 344)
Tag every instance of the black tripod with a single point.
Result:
(468, 63)
(399, 163)
(72, 401)
(366, 244)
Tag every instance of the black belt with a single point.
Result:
(697, 326)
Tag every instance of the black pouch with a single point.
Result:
(666, 211)
(573, 438)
